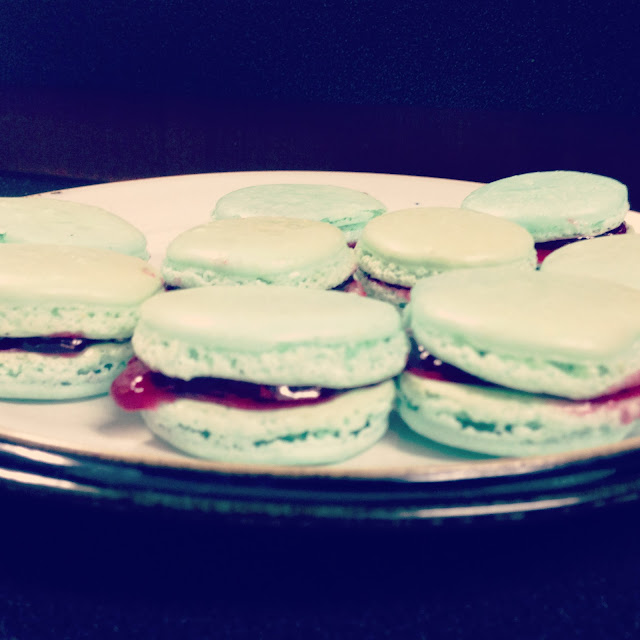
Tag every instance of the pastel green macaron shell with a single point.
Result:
(503, 422)
(42, 220)
(554, 205)
(35, 376)
(270, 250)
(347, 209)
(322, 433)
(52, 289)
(403, 246)
(271, 335)
(535, 331)
(615, 258)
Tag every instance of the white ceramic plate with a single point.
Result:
(164, 207)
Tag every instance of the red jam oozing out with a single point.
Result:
(352, 286)
(543, 249)
(138, 388)
(56, 345)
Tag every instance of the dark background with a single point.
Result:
(469, 90)
(577, 56)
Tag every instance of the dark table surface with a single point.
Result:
(75, 568)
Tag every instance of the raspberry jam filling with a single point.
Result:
(403, 292)
(543, 249)
(59, 345)
(138, 388)
(422, 363)
(351, 286)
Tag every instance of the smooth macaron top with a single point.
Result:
(528, 314)
(266, 249)
(271, 335)
(402, 246)
(61, 274)
(253, 318)
(49, 221)
(348, 209)
(555, 204)
(614, 258)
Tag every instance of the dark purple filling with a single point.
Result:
(543, 249)
(422, 363)
(50, 345)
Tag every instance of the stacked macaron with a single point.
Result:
(347, 209)
(41, 220)
(520, 363)
(400, 247)
(278, 375)
(556, 207)
(270, 250)
(67, 314)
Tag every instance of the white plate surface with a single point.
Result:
(164, 207)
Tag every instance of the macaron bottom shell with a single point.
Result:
(503, 422)
(35, 376)
(321, 433)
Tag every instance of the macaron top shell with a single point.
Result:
(245, 249)
(59, 274)
(254, 318)
(271, 335)
(43, 220)
(555, 204)
(528, 314)
(346, 208)
(614, 258)
(401, 246)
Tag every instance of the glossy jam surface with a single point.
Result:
(543, 249)
(138, 388)
(49, 345)
(422, 363)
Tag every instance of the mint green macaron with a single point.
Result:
(41, 220)
(347, 209)
(310, 372)
(498, 421)
(554, 205)
(67, 314)
(557, 334)
(514, 363)
(270, 250)
(398, 248)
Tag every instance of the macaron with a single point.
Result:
(347, 209)
(274, 375)
(520, 363)
(555, 205)
(271, 251)
(67, 314)
(400, 247)
(614, 258)
(41, 220)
